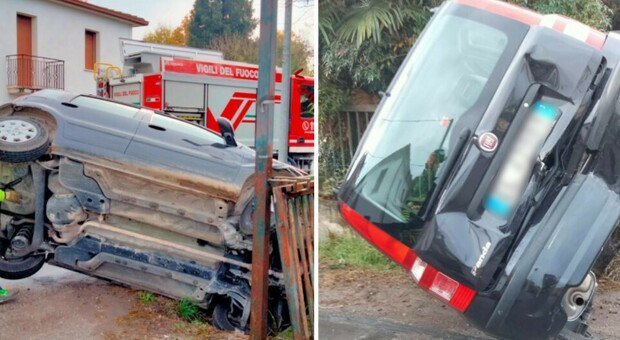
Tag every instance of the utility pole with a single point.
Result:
(282, 118)
(264, 152)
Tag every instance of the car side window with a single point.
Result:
(195, 133)
(105, 106)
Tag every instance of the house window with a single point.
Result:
(90, 50)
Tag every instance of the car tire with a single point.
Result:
(220, 317)
(21, 269)
(22, 139)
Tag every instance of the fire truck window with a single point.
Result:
(105, 106)
(307, 102)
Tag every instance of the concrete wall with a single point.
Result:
(58, 32)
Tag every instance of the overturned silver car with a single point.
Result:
(131, 195)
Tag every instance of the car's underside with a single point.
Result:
(177, 234)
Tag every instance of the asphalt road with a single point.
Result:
(338, 327)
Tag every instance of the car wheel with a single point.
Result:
(21, 268)
(221, 318)
(22, 139)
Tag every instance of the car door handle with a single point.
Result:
(157, 127)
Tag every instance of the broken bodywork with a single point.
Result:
(131, 195)
(490, 170)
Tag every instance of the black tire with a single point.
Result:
(220, 316)
(22, 139)
(22, 268)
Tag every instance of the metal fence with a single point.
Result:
(341, 137)
(293, 199)
(34, 72)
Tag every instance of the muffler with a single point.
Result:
(577, 299)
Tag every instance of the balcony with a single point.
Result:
(28, 73)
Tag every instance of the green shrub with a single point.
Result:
(350, 250)
(187, 310)
(146, 297)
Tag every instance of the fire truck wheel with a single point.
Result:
(22, 139)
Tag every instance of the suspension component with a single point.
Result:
(22, 239)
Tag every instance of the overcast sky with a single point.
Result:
(171, 12)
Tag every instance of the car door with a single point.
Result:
(100, 126)
(173, 143)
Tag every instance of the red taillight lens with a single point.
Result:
(455, 294)
(462, 298)
(447, 289)
(390, 246)
(444, 287)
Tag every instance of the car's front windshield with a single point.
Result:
(439, 85)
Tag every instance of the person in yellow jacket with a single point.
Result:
(12, 196)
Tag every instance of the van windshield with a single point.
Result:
(443, 83)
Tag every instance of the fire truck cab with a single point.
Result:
(202, 88)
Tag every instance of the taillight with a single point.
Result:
(449, 290)
(418, 269)
(442, 286)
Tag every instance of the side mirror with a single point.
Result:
(227, 131)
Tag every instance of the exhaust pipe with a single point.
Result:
(577, 299)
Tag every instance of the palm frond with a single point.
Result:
(329, 15)
(369, 20)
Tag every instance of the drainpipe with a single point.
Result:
(283, 117)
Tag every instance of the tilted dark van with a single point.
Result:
(491, 169)
(134, 196)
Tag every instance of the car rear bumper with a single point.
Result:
(555, 254)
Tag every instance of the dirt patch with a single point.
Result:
(60, 304)
(159, 319)
(363, 292)
(392, 296)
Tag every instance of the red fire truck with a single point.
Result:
(203, 90)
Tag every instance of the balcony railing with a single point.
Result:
(30, 73)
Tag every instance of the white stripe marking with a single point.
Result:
(577, 31)
(549, 20)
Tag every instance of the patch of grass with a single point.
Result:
(179, 326)
(196, 328)
(350, 250)
(146, 297)
(187, 310)
(287, 334)
(199, 329)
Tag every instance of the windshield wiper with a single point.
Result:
(445, 171)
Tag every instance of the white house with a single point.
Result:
(55, 43)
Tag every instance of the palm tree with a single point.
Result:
(360, 21)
